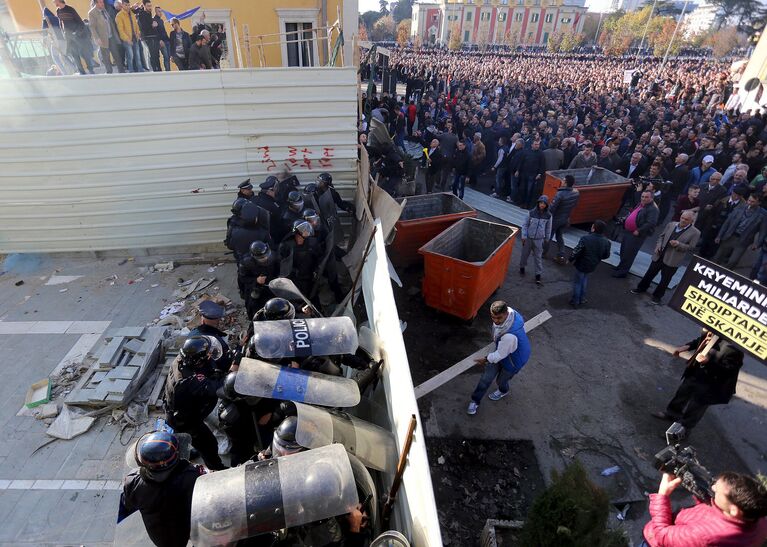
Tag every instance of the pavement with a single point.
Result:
(67, 492)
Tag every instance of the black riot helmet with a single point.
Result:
(237, 206)
(271, 181)
(260, 251)
(284, 439)
(324, 180)
(310, 188)
(295, 201)
(195, 351)
(303, 228)
(228, 386)
(278, 308)
(157, 451)
(311, 216)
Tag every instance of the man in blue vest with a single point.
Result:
(512, 351)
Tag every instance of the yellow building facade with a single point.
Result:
(257, 32)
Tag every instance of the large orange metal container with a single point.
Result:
(465, 264)
(423, 217)
(601, 193)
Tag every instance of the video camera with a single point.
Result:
(682, 462)
(657, 182)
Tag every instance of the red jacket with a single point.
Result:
(703, 525)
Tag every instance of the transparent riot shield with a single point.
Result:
(260, 497)
(259, 379)
(373, 445)
(319, 336)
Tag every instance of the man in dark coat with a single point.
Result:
(149, 33)
(76, 34)
(530, 173)
(460, 163)
(715, 207)
(211, 315)
(432, 161)
(562, 205)
(709, 379)
(588, 253)
(180, 44)
(638, 226)
(247, 231)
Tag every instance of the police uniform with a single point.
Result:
(190, 395)
(246, 185)
(300, 262)
(254, 294)
(268, 203)
(248, 232)
(211, 310)
(165, 506)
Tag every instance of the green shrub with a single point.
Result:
(572, 512)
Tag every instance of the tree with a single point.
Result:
(383, 29)
(724, 40)
(512, 37)
(555, 40)
(454, 43)
(483, 37)
(362, 33)
(384, 7)
(369, 19)
(659, 35)
(401, 10)
(403, 32)
(571, 40)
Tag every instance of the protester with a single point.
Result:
(563, 204)
(104, 33)
(76, 35)
(738, 231)
(638, 226)
(587, 254)
(199, 53)
(536, 231)
(180, 45)
(130, 35)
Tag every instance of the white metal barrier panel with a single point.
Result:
(152, 160)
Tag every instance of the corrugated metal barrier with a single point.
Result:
(129, 161)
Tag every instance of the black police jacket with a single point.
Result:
(249, 270)
(267, 202)
(242, 237)
(166, 507)
(190, 395)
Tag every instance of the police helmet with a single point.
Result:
(311, 216)
(237, 205)
(325, 179)
(260, 251)
(271, 179)
(303, 228)
(195, 351)
(228, 387)
(295, 200)
(279, 308)
(310, 188)
(157, 451)
(284, 438)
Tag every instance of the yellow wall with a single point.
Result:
(259, 15)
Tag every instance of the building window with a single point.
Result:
(536, 2)
(545, 37)
(518, 17)
(502, 17)
(466, 36)
(520, 2)
(549, 18)
(299, 42)
(487, 2)
(504, 2)
(535, 17)
(564, 20)
(484, 16)
(468, 15)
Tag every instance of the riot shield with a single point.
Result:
(258, 379)
(259, 497)
(373, 445)
(283, 287)
(304, 337)
(328, 208)
(250, 212)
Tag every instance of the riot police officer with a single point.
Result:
(190, 395)
(301, 255)
(245, 190)
(266, 200)
(284, 188)
(295, 206)
(320, 230)
(276, 309)
(253, 275)
(329, 206)
(234, 220)
(247, 232)
(161, 489)
(211, 314)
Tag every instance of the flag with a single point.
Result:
(185, 15)
(338, 45)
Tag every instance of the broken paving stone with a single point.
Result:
(163, 267)
(48, 410)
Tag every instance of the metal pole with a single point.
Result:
(647, 26)
(678, 24)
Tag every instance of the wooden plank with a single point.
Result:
(516, 216)
(465, 364)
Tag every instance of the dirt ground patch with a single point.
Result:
(475, 480)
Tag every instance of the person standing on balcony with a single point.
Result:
(127, 29)
(76, 35)
(104, 32)
(180, 44)
(163, 39)
(149, 35)
(199, 53)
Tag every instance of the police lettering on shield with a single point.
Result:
(302, 340)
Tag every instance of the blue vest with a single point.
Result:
(518, 358)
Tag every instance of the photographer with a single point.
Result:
(734, 517)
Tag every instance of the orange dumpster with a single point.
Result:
(601, 193)
(466, 264)
(423, 217)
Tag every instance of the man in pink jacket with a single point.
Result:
(735, 517)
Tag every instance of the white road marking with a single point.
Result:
(53, 327)
(462, 366)
(59, 484)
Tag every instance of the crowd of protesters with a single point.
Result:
(127, 37)
(513, 116)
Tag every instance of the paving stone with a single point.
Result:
(4, 483)
(130, 332)
(47, 484)
(122, 373)
(97, 377)
(114, 398)
(112, 351)
(133, 345)
(96, 485)
(113, 485)
(87, 327)
(114, 386)
(72, 484)
(21, 484)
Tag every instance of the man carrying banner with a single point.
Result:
(673, 245)
(709, 379)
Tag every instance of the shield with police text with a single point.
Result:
(304, 337)
(259, 379)
(373, 445)
(259, 497)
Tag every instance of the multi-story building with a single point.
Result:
(700, 19)
(514, 22)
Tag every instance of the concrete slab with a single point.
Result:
(87, 327)
(74, 485)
